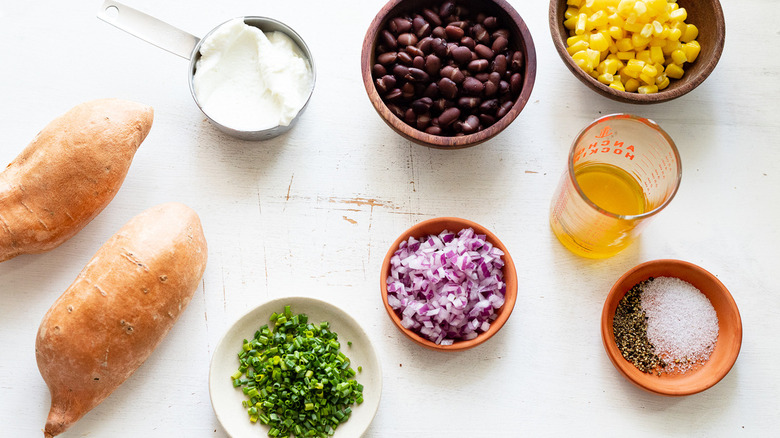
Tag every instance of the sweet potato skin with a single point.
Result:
(119, 308)
(68, 174)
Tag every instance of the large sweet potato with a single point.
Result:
(117, 311)
(68, 174)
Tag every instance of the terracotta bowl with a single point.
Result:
(436, 226)
(521, 38)
(707, 15)
(729, 326)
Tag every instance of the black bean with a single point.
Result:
(421, 27)
(487, 119)
(483, 76)
(407, 91)
(472, 86)
(400, 25)
(418, 75)
(379, 70)
(395, 109)
(432, 64)
(432, 90)
(516, 63)
(410, 117)
(404, 58)
(500, 64)
(478, 65)
(470, 125)
(469, 103)
(480, 34)
(439, 47)
(448, 88)
(418, 62)
(500, 33)
(447, 9)
(453, 33)
(393, 94)
(489, 106)
(461, 54)
(516, 84)
(423, 121)
(432, 17)
(441, 105)
(385, 83)
(452, 73)
(484, 51)
(499, 44)
(490, 23)
(414, 51)
(469, 42)
(505, 107)
(422, 105)
(407, 39)
(491, 88)
(438, 32)
(388, 39)
(400, 71)
(425, 45)
(387, 58)
(449, 116)
(433, 130)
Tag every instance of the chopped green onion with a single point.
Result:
(297, 381)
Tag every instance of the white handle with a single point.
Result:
(148, 28)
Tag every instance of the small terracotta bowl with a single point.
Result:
(729, 326)
(707, 15)
(436, 226)
(521, 39)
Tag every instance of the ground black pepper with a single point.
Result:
(630, 330)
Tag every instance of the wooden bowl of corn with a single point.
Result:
(639, 51)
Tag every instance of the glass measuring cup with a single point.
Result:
(622, 170)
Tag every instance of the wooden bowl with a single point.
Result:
(729, 329)
(436, 226)
(521, 38)
(707, 15)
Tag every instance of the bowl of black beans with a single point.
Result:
(448, 74)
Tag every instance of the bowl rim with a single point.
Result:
(258, 315)
(697, 381)
(526, 44)
(627, 97)
(510, 278)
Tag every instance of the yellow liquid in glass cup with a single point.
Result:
(622, 170)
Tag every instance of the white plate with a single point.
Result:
(226, 400)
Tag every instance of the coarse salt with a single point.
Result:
(682, 325)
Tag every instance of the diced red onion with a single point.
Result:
(447, 287)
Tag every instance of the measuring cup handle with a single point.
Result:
(148, 28)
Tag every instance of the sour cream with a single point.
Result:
(249, 80)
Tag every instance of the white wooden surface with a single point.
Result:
(313, 213)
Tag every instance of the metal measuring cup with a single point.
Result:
(181, 43)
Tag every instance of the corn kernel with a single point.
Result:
(611, 66)
(570, 23)
(657, 55)
(582, 21)
(605, 78)
(631, 85)
(658, 28)
(656, 6)
(643, 56)
(625, 56)
(616, 32)
(691, 50)
(679, 57)
(648, 89)
(624, 45)
(650, 70)
(633, 27)
(575, 3)
(617, 85)
(616, 20)
(662, 81)
(647, 31)
(598, 42)
(581, 59)
(690, 33)
(570, 12)
(674, 71)
(572, 40)
(678, 15)
(671, 46)
(597, 20)
(639, 41)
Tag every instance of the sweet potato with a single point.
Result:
(119, 308)
(68, 174)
